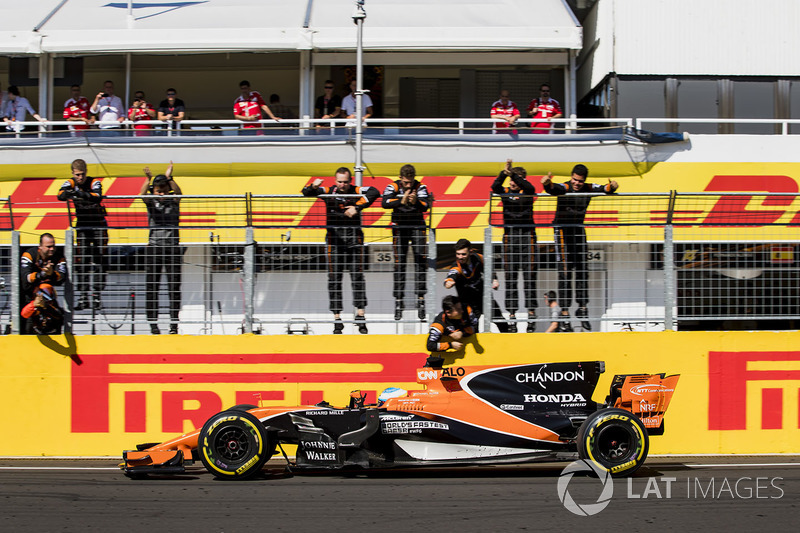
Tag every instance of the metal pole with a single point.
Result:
(69, 287)
(488, 268)
(13, 304)
(669, 279)
(248, 271)
(358, 17)
(431, 300)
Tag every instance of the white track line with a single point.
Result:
(727, 465)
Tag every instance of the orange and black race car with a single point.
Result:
(464, 416)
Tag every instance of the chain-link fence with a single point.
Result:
(273, 265)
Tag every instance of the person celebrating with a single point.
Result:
(570, 237)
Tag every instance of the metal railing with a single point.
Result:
(398, 126)
(259, 263)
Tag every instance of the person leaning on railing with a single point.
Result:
(16, 108)
(86, 194)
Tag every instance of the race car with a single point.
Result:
(465, 415)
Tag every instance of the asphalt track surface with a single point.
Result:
(707, 494)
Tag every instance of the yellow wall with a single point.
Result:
(97, 395)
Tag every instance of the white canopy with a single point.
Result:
(187, 26)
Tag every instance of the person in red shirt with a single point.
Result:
(248, 106)
(545, 109)
(76, 110)
(505, 111)
(141, 110)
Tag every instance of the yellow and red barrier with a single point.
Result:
(95, 395)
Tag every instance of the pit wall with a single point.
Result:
(94, 395)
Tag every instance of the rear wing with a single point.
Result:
(645, 395)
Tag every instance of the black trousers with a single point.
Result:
(91, 259)
(519, 255)
(169, 261)
(346, 252)
(571, 255)
(474, 298)
(404, 238)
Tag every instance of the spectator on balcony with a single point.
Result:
(349, 104)
(172, 110)
(16, 108)
(408, 199)
(570, 237)
(161, 195)
(76, 111)
(43, 315)
(141, 111)
(544, 109)
(42, 265)
(467, 278)
(345, 240)
(280, 110)
(505, 112)
(109, 109)
(455, 323)
(519, 241)
(91, 235)
(328, 105)
(248, 107)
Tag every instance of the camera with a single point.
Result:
(104, 95)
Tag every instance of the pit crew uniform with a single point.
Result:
(32, 271)
(164, 253)
(499, 109)
(444, 326)
(570, 239)
(519, 240)
(249, 107)
(345, 241)
(44, 320)
(408, 230)
(469, 287)
(32, 274)
(546, 110)
(77, 109)
(91, 234)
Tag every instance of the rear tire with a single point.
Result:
(233, 445)
(615, 439)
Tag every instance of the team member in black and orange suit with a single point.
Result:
(41, 265)
(467, 278)
(408, 199)
(92, 231)
(570, 237)
(519, 241)
(345, 241)
(454, 323)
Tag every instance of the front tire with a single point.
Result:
(615, 439)
(233, 445)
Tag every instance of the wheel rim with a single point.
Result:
(616, 444)
(232, 444)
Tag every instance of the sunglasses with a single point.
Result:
(329, 87)
(170, 94)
